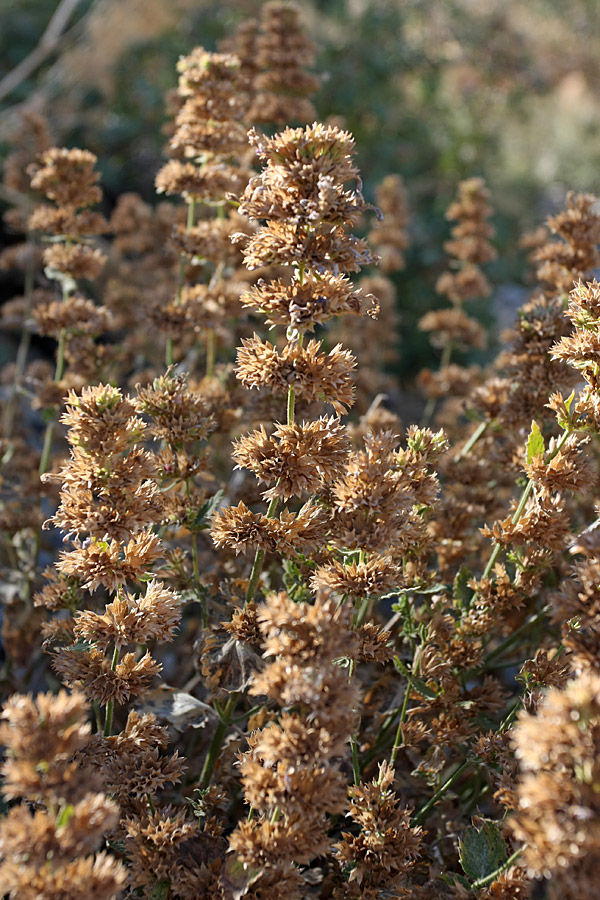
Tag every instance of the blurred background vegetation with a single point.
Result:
(436, 90)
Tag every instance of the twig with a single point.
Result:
(46, 46)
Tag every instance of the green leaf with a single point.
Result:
(293, 580)
(416, 683)
(535, 442)
(482, 850)
(161, 890)
(569, 400)
(202, 517)
(460, 589)
(64, 815)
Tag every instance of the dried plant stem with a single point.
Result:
(291, 405)
(188, 226)
(355, 762)
(225, 717)
(110, 704)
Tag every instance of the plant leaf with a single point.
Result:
(535, 442)
(482, 850)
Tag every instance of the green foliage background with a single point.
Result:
(436, 90)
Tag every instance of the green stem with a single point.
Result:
(432, 402)
(396, 745)
(23, 349)
(479, 431)
(110, 704)
(217, 741)
(355, 762)
(482, 882)
(259, 559)
(422, 813)
(169, 357)
(210, 353)
(362, 611)
(97, 716)
(58, 374)
(519, 510)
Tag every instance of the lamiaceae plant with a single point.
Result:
(303, 197)
(379, 642)
(206, 144)
(109, 502)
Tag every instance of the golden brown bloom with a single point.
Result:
(244, 531)
(296, 459)
(93, 671)
(42, 735)
(107, 489)
(304, 305)
(374, 644)
(67, 177)
(132, 620)
(543, 522)
(166, 847)
(453, 326)
(568, 470)
(179, 414)
(386, 847)
(76, 315)
(133, 763)
(312, 375)
(562, 264)
(374, 499)
(279, 57)
(65, 221)
(557, 814)
(45, 854)
(377, 575)
(193, 183)
(292, 765)
(302, 184)
(99, 562)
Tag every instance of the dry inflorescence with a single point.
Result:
(309, 656)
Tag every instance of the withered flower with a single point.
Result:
(296, 459)
(557, 812)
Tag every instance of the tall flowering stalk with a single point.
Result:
(470, 248)
(302, 196)
(275, 53)
(376, 343)
(69, 180)
(206, 143)
(109, 503)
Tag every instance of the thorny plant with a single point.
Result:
(379, 645)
